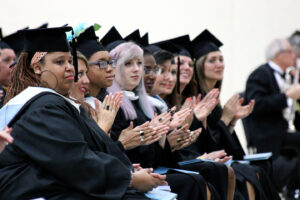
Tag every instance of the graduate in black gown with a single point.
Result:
(174, 97)
(218, 131)
(56, 153)
(155, 154)
(186, 186)
(7, 57)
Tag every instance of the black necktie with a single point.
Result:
(282, 75)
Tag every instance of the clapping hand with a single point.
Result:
(141, 135)
(145, 180)
(5, 138)
(180, 138)
(179, 117)
(217, 156)
(230, 109)
(243, 111)
(162, 119)
(204, 107)
(107, 113)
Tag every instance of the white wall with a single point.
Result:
(244, 26)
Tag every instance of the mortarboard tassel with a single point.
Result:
(75, 61)
(178, 75)
(196, 77)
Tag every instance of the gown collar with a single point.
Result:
(130, 95)
(9, 110)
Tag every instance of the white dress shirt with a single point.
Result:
(283, 86)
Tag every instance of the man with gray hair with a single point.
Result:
(268, 125)
(294, 40)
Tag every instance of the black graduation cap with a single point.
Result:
(87, 42)
(45, 25)
(112, 39)
(167, 45)
(1, 36)
(3, 45)
(15, 41)
(49, 40)
(183, 43)
(152, 48)
(46, 40)
(144, 41)
(205, 43)
(134, 36)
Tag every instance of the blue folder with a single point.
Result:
(258, 156)
(164, 170)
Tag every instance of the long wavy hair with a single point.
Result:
(124, 53)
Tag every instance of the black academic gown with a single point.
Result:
(153, 155)
(217, 137)
(56, 155)
(265, 189)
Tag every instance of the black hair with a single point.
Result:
(162, 56)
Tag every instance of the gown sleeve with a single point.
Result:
(50, 136)
(222, 136)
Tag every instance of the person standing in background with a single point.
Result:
(268, 124)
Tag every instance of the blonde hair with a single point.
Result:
(83, 58)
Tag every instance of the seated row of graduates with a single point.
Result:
(78, 140)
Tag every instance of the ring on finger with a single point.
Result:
(142, 139)
(160, 119)
(107, 107)
(142, 133)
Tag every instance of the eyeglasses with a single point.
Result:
(103, 64)
(153, 71)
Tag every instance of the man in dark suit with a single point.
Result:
(268, 125)
(294, 39)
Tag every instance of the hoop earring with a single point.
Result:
(45, 83)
